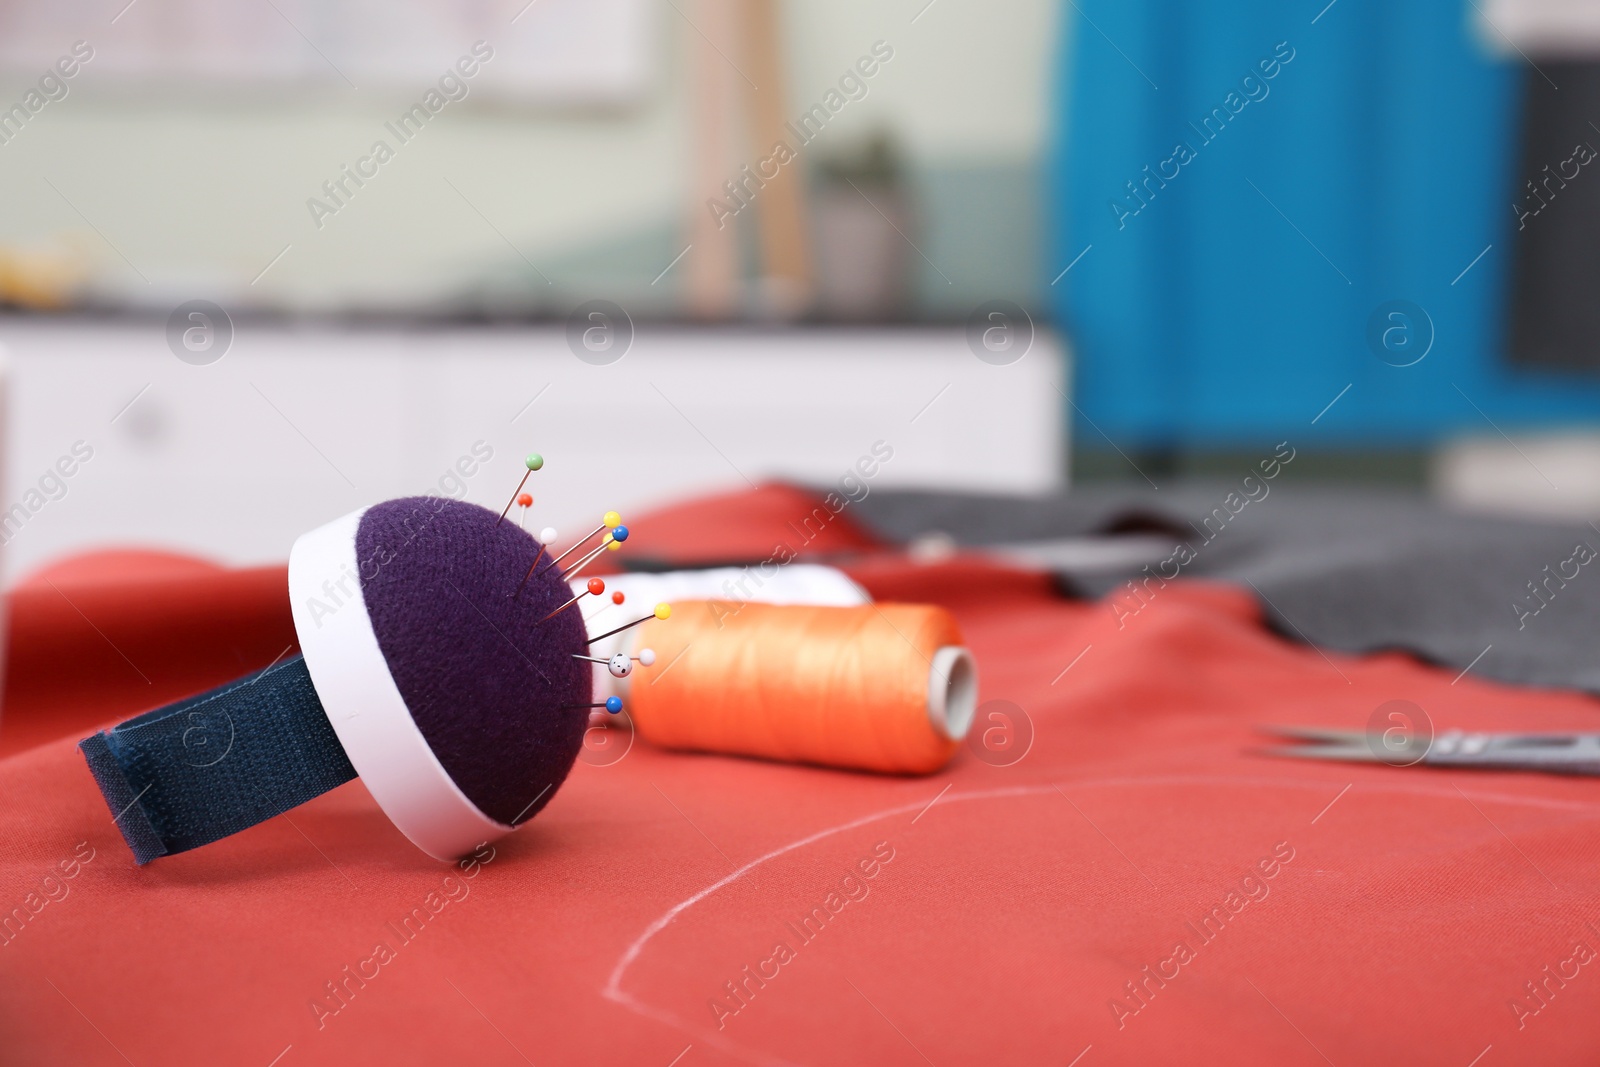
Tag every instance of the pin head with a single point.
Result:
(617, 597)
(663, 611)
(525, 499)
(620, 666)
(612, 519)
(613, 704)
(647, 656)
(547, 536)
(619, 533)
(597, 586)
(534, 461)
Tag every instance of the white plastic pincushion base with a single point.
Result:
(363, 704)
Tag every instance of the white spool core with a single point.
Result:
(952, 692)
(797, 583)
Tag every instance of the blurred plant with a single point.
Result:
(863, 219)
(874, 162)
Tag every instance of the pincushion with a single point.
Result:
(455, 696)
(493, 690)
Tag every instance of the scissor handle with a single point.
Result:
(1554, 753)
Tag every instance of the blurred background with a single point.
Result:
(265, 261)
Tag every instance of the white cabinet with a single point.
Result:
(294, 426)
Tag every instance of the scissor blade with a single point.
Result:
(1324, 734)
(1323, 742)
(1358, 752)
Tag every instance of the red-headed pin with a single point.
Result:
(595, 587)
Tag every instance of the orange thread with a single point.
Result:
(844, 687)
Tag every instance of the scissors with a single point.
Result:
(1550, 753)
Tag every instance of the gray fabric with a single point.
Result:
(1356, 570)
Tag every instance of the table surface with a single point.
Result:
(1133, 887)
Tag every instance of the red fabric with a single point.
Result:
(1016, 901)
(105, 636)
(118, 565)
(753, 524)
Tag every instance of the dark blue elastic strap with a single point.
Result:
(209, 766)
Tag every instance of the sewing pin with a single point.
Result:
(611, 704)
(533, 463)
(547, 537)
(595, 587)
(613, 539)
(621, 665)
(611, 519)
(663, 611)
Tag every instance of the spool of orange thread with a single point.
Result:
(880, 687)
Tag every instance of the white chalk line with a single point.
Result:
(613, 990)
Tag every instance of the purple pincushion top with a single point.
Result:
(491, 687)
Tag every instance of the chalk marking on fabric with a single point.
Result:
(614, 992)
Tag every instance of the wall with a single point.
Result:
(200, 190)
